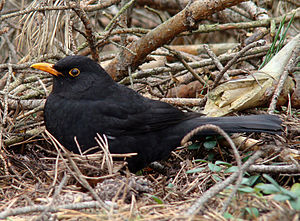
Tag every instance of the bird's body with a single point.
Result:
(90, 102)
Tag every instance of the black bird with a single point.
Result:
(85, 100)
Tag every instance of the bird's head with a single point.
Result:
(75, 74)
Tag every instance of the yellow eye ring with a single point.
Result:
(74, 72)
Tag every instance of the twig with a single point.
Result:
(156, 12)
(27, 11)
(62, 8)
(54, 197)
(2, 2)
(122, 10)
(13, 103)
(215, 60)
(234, 60)
(279, 169)
(282, 79)
(103, 143)
(186, 65)
(217, 129)
(76, 173)
(259, 51)
(152, 40)
(31, 209)
(90, 36)
(246, 25)
(191, 102)
(4, 117)
(3, 120)
(220, 186)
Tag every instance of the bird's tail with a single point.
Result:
(253, 123)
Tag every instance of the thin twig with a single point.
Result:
(217, 129)
(179, 56)
(282, 79)
(31, 209)
(76, 173)
(220, 186)
(54, 197)
(234, 60)
(279, 169)
(215, 60)
(90, 35)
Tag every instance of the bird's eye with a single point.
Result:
(74, 72)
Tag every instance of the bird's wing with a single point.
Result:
(135, 116)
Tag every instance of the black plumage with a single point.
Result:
(85, 100)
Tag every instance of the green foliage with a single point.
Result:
(248, 155)
(170, 185)
(214, 167)
(210, 156)
(218, 162)
(280, 37)
(250, 181)
(247, 184)
(197, 170)
(194, 146)
(216, 178)
(210, 144)
(231, 169)
(155, 198)
(228, 215)
(280, 193)
(200, 160)
(252, 212)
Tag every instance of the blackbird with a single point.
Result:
(85, 101)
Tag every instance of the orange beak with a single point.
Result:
(47, 68)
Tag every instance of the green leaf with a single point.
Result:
(228, 215)
(170, 185)
(200, 160)
(245, 181)
(283, 36)
(217, 178)
(270, 52)
(281, 197)
(252, 211)
(231, 169)
(194, 146)
(296, 189)
(280, 189)
(210, 144)
(197, 170)
(210, 137)
(210, 156)
(248, 155)
(295, 204)
(218, 162)
(214, 167)
(246, 189)
(250, 181)
(155, 198)
(267, 188)
(271, 180)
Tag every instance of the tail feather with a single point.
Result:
(253, 123)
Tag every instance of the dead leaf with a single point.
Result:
(254, 90)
